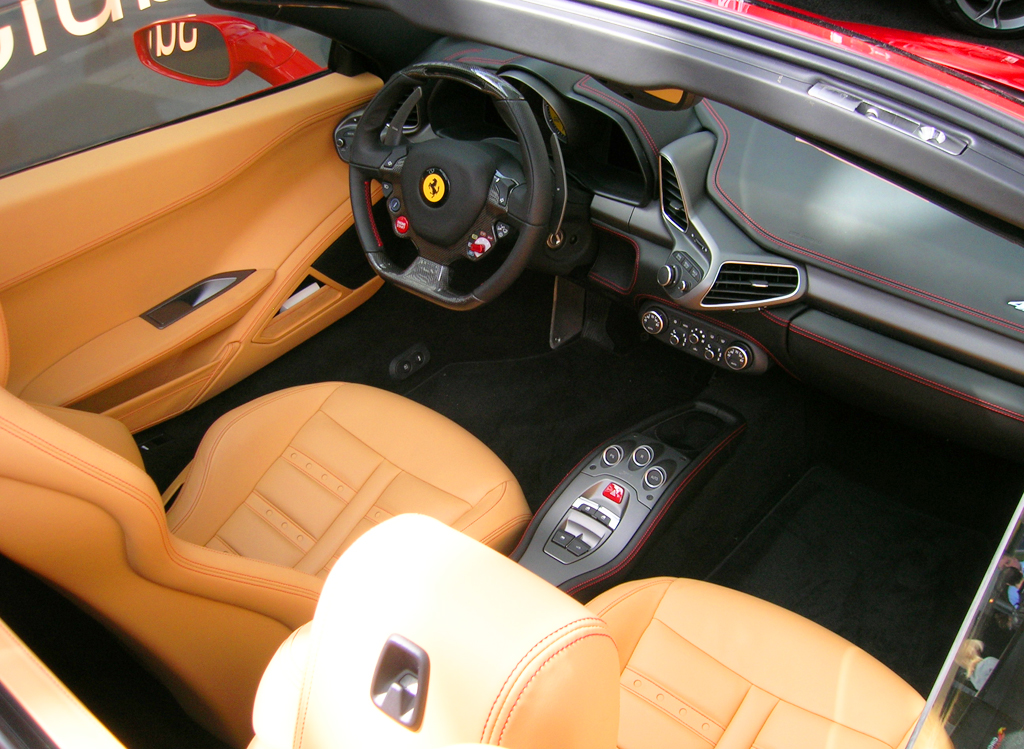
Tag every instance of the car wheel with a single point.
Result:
(988, 18)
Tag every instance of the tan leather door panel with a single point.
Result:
(94, 240)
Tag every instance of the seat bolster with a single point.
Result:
(108, 432)
(235, 453)
(628, 609)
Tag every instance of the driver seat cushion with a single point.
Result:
(705, 666)
(295, 477)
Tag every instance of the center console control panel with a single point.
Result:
(620, 487)
(702, 339)
(590, 527)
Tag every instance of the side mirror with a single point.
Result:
(214, 50)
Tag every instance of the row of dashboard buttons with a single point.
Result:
(698, 340)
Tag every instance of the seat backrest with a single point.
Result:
(513, 661)
(92, 523)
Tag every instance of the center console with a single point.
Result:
(592, 527)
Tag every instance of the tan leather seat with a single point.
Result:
(693, 665)
(278, 489)
(705, 666)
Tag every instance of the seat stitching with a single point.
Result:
(504, 488)
(515, 668)
(69, 430)
(766, 691)
(551, 657)
(675, 718)
(243, 411)
(231, 548)
(172, 554)
(165, 396)
(363, 517)
(411, 473)
(672, 693)
(637, 589)
(501, 529)
(251, 509)
(303, 470)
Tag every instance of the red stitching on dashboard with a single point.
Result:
(463, 52)
(582, 83)
(833, 261)
(654, 524)
(636, 263)
(945, 389)
(369, 212)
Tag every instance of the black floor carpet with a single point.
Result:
(892, 580)
(542, 414)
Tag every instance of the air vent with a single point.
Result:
(751, 284)
(671, 196)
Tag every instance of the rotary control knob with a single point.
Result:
(655, 477)
(738, 356)
(709, 353)
(612, 455)
(667, 275)
(653, 321)
(695, 337)
(643, 456)
(674, 337)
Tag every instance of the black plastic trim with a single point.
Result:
(171, 310)
(889, 376)
(920, 326)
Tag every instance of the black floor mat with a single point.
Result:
(542, 414)
(892, 580)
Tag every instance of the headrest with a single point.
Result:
(5, 350)
(512, 661)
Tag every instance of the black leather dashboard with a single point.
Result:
(902, 301)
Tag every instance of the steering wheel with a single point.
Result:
(454, 199)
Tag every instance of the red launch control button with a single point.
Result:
(402, 225)
(614, 492)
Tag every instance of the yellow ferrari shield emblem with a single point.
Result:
(433, 188)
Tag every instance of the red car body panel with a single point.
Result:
(268, 56)
(943, 61)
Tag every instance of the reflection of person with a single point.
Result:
(969, 655)
(1013, 577)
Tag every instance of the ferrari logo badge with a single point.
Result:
(434, 186)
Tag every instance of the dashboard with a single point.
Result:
(754, 249)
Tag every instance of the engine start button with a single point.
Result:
(402, 225)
